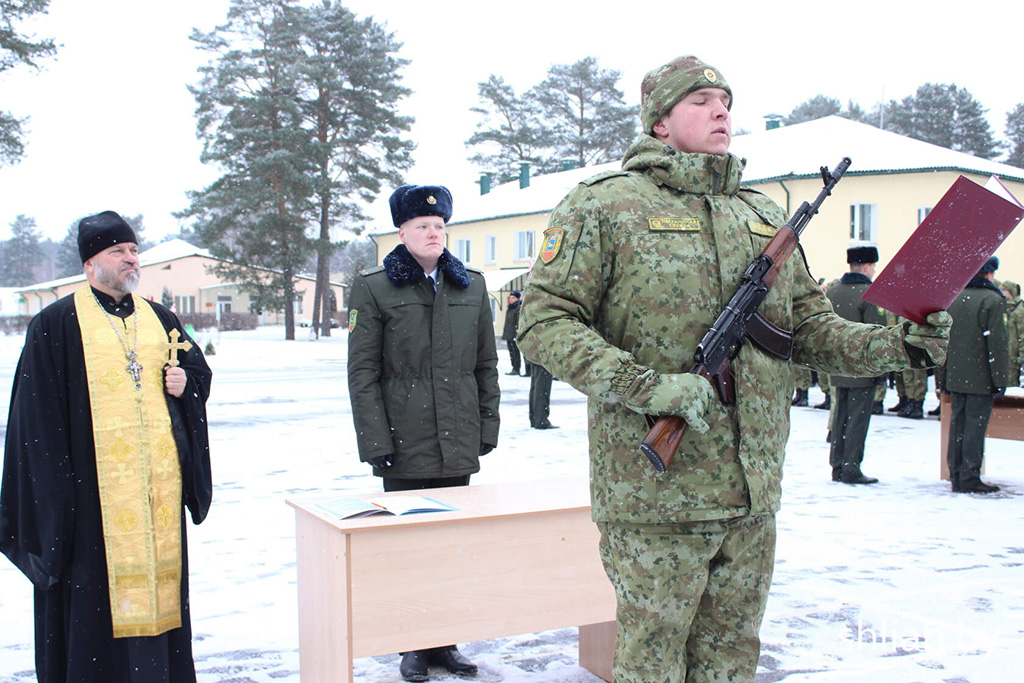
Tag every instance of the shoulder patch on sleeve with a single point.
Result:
(352, 316)
(593, 180)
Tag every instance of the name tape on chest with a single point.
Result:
(762, 229)
(668, 224)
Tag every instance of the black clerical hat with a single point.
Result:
(102, 231)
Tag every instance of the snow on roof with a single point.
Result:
(789, 151)
(171, 250)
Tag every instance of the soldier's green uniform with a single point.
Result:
(635, 266)
(854, 396)
(976, 368)
(1014, 330)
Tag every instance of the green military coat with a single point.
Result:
(847, 303)
(422, 369)
(977, 360)
(634, 267)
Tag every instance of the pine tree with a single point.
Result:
(942, 114)
(349, 94)
(576, 114)
(18, 49)
(971, 131)
(586, 119)
(250, 123)
(69, 262)
(1015, 135)
(818, 107)
(21, 254)
(509, 128)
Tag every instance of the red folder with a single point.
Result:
(949, 247)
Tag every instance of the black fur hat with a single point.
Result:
(862, 255)
(990, 266)
(102, 231)
(413, 201)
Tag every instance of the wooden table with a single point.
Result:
(1006, 422)
(514, 558)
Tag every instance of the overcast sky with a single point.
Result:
(112, 125)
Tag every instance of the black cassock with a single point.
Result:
(50, 524)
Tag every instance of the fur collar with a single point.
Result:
(984, 283)
(852, 278)
(402, 269)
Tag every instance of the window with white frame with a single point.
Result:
(491, 249)
(462, 250)
(184, 304)
(922, 213)
(524, 245)
(864, 223)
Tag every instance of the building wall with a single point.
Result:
(190, 276)
(898, 196)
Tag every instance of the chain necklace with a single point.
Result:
(134, 368)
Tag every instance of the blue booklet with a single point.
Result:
(349, 508)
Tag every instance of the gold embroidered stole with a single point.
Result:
(137, 467)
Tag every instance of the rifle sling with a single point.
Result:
(769, 337)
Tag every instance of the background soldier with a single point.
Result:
(508, 330)
(636, 265)
(422, 369)
(976, 371)
(1014, 329)
(854, 396)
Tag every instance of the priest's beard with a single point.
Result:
(125, 284)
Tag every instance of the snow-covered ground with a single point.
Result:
(898, 582)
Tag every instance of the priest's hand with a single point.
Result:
(175, 380)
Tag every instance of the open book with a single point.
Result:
(964, 228)
(348, 508)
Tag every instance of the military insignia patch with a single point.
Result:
(552, 244)
(352, 315)
(689, 224)
(762, 229)
(431, 199)
(711, 75)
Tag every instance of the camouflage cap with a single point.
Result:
(666, 85)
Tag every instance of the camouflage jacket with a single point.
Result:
(634, 267)
(845, 297)
(1015, 330)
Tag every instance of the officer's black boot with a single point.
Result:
(801, 398)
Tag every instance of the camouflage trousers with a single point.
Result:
(912, 383)
(690, 598)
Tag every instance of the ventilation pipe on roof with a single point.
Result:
(772, 121)
(568, 164)
(524, 175)
(485, 183)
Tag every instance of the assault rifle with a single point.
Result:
(741, 320)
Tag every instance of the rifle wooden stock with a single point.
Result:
(727, 333)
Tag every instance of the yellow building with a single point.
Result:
(186, 271)
(892, 184)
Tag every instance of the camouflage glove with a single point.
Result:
(685, 394)
(931, 337)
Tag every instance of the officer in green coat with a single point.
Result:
(423, 369)
(976, 371)
(634, 266)
(854, 396)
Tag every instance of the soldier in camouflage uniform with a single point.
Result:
(635, 266)
(1015, 329)
(854, 395)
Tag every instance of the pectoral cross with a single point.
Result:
(174, 346)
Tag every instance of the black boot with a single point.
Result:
(826, 404)
(976, 487)
(450, 658)
(913, 410)
(800, 399)
(936, 411)
(853, 475)
(414, 666)
(899, 406)
(876, 408)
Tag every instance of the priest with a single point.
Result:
(106, 446)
